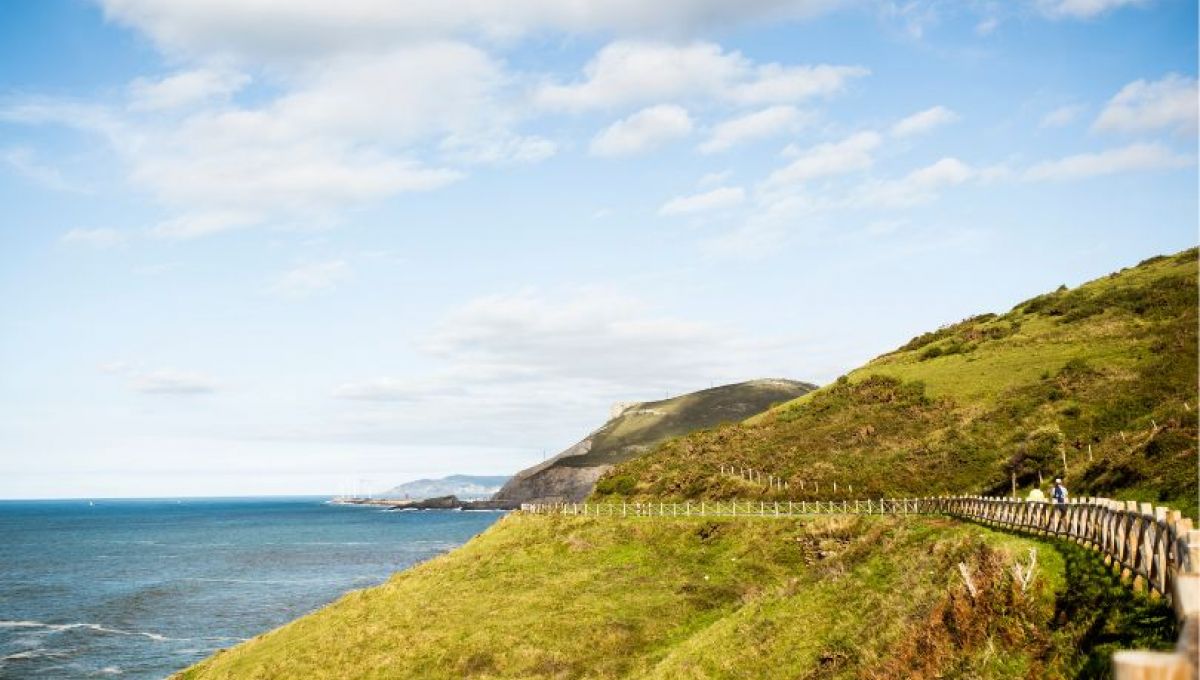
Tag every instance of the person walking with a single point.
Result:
(1059, 493)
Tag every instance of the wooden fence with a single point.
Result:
(1152, 548)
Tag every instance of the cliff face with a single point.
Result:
(635, 428)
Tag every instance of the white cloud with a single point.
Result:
(103, 237)
(1141, 106)
(392, 389)
(712, 179)
(498, 148)
(509, 359)
(185, 88)
(204, 223)
(293, 29)
(912, 17)
(310, 278)
(758, 125)
(1132, 158)
(594, 335)
(635, 72)
(24, 162)
(987, 26)
(1061, 117)
(924, 121)
(834, 158)
(342, 133)
(920, 185)
(770, 225)
(716, 199)
(1082, 9)
(642, 131)
(174, 383)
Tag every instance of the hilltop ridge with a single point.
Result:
(1096, 384)
(635, 427)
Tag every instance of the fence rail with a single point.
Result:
(1154, 548)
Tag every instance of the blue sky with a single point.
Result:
(279, 247)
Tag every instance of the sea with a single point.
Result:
(144, 588)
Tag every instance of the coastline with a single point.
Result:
(439, 503)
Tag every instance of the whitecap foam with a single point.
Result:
(36, 653)
(95, 627)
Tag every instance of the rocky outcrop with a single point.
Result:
(635, 428)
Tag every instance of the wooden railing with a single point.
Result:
(1155, 549)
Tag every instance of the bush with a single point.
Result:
(621, 485)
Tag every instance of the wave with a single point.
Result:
(37, 653)
(267, 582)
(95, 627)
(98, 628)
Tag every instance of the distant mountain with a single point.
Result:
(465, 487)
(636, 427)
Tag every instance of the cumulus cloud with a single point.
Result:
(295, 29)
(919, 186)
(649, 128)
(1132, 158)
(598, 335)
(307, 279)
(171, 382)
(924, 121)
(768, 122)
(25, 162)
(1082, 9)
(506, 358)
(103, 237)
(342, 133)
(1169, 103)
(716, 199)
(627, 72)
(834, 158)
(185, 88)
(1061, 117)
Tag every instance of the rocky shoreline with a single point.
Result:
(439, 503)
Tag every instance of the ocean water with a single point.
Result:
(143, 588)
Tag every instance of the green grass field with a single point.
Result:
(562, 597)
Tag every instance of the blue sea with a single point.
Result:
(143, 588)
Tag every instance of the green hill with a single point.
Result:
(636, 428)
(570, 597)
(1104, 375)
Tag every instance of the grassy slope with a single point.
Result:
(559, 597)
(1110, 365)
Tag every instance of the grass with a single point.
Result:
(1103, 375)
(570, 597)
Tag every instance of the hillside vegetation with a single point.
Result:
(637, 428)
(1104, 375)
(568, 597)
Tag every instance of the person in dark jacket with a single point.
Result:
(1059, 493)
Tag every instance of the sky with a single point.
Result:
(293, 246)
